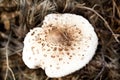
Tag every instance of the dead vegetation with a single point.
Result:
(17, 17)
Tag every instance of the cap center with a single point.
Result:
(59, 36)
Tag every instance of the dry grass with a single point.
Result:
(17, 17)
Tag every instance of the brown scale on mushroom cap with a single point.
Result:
(62, 36)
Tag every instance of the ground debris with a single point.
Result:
(18, 17)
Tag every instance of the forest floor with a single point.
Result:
(17, 17)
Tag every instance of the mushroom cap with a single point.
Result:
(65, 43)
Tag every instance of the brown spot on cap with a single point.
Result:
(68, 53)
(78, 47)
(52, 56)
(48, 50)
(73, 53)
(79, 32)
(29, 58)
(45, 32)
(60, 49)
(89, 38)
(57, 55)
(82, 54)
(82, 58)
(43, 63)
(79, 55)
(36, 66)
(62, 53)
(48, 45)
(39, 41)
(54, 49)
(68, 44)
(45, 55)
(72, 48)
(88, 46)
(67, 62)
(75, 25)
(70, 58)
(35, 59)
(33, 33)
(74, 44)
(43, 49)
(57, 67)
(43, 44)
(60, 59)
(32, 47)
(66, 49)
(50, 65)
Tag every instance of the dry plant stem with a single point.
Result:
(24, 74)
(115, 6)
(103, 66)
(47, 78)
(7, 62)
(11, 40)
(103, 61)
(106, 23)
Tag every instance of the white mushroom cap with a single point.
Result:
(65, 43)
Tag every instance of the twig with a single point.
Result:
(7, 61)
(115, 6)
(103, 67)
(47, 78)
(24, 74)
(106, 23)
(103, 60)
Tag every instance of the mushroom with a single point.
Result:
(64, 44)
